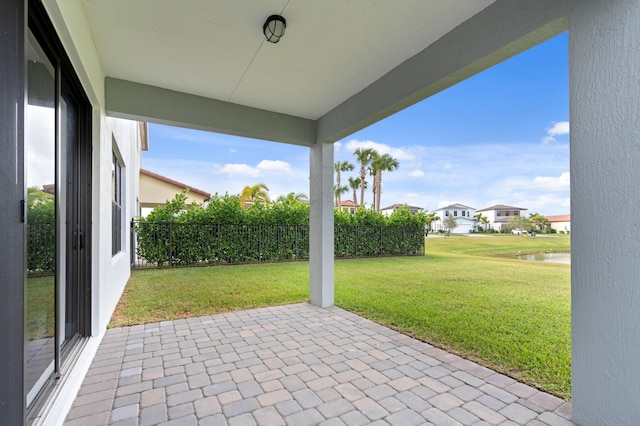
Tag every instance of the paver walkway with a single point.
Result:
(295, 365)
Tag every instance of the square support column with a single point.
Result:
(321, 225)
(604, 53)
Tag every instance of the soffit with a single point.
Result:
(332, 49)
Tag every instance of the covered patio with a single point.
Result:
(295, 365)
(342, 66)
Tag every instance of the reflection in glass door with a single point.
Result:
(40, 157)
(57, 164)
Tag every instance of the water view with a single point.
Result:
(548, 257)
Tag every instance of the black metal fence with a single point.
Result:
(171, 244)
(41, 248)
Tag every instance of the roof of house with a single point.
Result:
(347, 203)
(175, 183)
(397, 206)
(559, 218)
(456, 206)
(501, 207)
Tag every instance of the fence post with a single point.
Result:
(132, 244)
(170, 245)
(355, 253)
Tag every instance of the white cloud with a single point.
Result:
(398, 153)
(445, 165)
(236, 170)
(263, 167)
(539, 183)
(552, 183)
(274, 165)
(416, 173)
(40, 155)
(558, 128)
(233, 151)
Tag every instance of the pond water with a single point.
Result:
(548, 257)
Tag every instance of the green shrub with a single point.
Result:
(225, 233)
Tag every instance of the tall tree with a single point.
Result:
(450, 223)
(379, 164)
(539, 221)
(432, 217)
(479, 218)
(354, 184)
(258, 192)
(293, 198)
(341, 166)
(364, 156)
(337, 192)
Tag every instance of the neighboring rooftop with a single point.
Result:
(176, 183)
(501, 207)
(397, 206)
(456, 206)
(559, 218)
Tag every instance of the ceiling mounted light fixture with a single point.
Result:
(274, 27)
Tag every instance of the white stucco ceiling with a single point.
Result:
(332, 49)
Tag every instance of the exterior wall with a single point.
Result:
(465, 223)
(604, 65)
(154, 192)
(561, 226)
(493, 218)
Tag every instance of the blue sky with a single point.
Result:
(500, 137)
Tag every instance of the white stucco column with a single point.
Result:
(604, 53)
(321, 225)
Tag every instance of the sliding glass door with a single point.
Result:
(58, 206)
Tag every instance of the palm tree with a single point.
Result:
(485, 221)
(354, 184)
(341, 166)
(432, 217)
(293, 198)
(364, 156)
(479, 218)
(338, 191)
(379, 164)
(538, 220)
(258, 192)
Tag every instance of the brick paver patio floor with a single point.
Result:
(295, 365)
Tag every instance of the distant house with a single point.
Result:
(461, 213)
(155, 190)
(500, 215)
(392, 208)
(561, 222)
(347, 206)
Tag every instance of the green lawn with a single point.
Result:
(40, 320)
(464, 295)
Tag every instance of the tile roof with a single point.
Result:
(175, 182)
(501, 207)
(559, 218)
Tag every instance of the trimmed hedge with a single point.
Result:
(224, 233)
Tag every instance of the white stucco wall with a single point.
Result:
(604, 69)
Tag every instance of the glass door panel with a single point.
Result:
(40, 158)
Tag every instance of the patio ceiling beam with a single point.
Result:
(502, 30)
(142, 102)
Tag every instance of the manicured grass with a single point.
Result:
(163, 294)
(507, 314)
(40, 307)
(511, 315)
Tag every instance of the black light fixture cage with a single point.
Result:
(274, 28)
